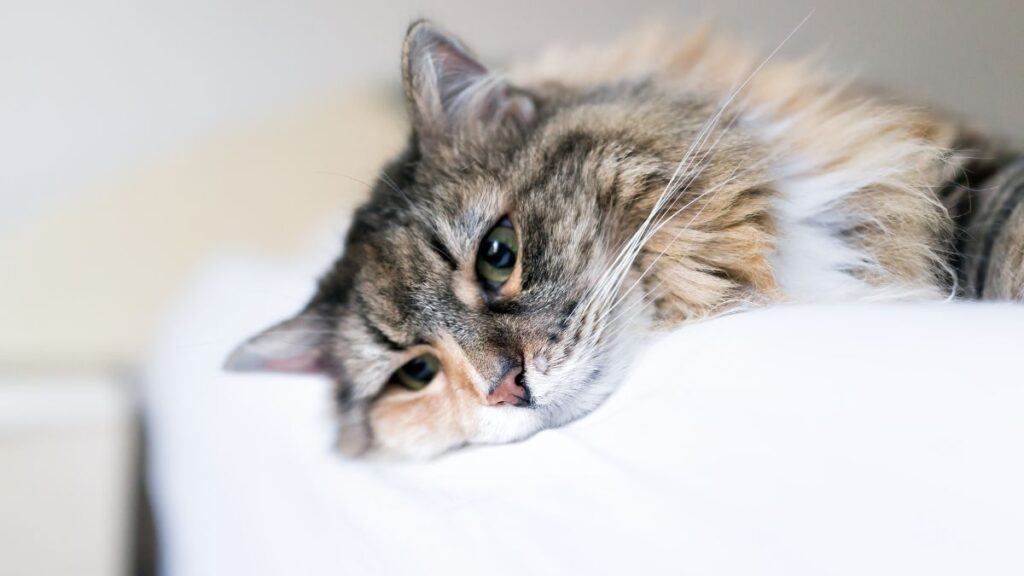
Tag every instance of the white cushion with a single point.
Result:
(798, 440)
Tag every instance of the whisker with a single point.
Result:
(714, 190)
(384, 178)
(605, 294)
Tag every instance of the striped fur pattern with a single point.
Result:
(650, 183)
(985, 198)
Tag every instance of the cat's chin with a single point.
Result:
(504, 424)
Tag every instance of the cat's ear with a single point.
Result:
(294, 346)
(449, 91)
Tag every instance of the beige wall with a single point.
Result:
(90, 88)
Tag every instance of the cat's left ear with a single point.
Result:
(296, 345)
(450, 91)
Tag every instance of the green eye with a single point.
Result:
(418, 372)
(497, 255)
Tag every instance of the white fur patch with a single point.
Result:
(812, 263)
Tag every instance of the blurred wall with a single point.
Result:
(89, 88)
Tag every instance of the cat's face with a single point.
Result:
(468, 314)
(479, 298)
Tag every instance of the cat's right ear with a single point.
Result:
(296, 345)
(450, 92)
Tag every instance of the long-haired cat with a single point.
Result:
(539, 224)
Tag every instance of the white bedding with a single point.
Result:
(803, 440)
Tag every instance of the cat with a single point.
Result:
(539, 225)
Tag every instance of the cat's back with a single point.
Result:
(944, 201)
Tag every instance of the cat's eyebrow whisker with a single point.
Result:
(611, 307)
(679, 182)
(347, 177)
(680, 179)
(654, 292)
(713, 121)
(624, 295)
(712, 191)
(620, 265)
(382, 177)
(672, 215)
(667, 218)
(610, 282)
(705, 161)
(302, 331)
(389, 182)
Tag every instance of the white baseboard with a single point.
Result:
(67, 457)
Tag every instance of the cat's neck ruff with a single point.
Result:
(822, 196)
(856, 214)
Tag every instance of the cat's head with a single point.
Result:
(479, 297)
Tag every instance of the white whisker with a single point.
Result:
(605, 295)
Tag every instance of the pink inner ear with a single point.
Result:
(291, 346)
(308, 364)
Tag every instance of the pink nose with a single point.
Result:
(511, 390)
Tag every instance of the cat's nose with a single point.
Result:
(511, 390)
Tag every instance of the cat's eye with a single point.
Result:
(496, 258)
(418, 372)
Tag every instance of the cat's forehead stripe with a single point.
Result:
(381, 337)
(442, 251)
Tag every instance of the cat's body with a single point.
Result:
(506, 263)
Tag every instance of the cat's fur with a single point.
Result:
(651, 183)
